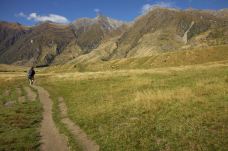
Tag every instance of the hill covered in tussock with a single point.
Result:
(163, 30)
(103, 39)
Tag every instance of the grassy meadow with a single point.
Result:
(172, 108)
(177, 58)
(19, 121)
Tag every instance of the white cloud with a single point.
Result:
(38, 18)
(97, 10)
(148, 7)
(21, 14)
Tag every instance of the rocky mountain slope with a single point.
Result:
(164, 30)
(42, 44)
(37, 45)
(90, 32)
(102, 38)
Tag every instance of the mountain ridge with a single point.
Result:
(158, 31)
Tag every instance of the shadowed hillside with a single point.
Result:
(103, 39)
(163, 30)
(38, 46)
(41, 44)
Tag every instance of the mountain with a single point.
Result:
(37, 45)
(164, 30)
(9, 34)
(100, 39)
(90, 35)
(45, 42)
(90, 32)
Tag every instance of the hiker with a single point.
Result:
(31, 74)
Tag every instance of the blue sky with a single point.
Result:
(29, 12)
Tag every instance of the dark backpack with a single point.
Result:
(30, 73)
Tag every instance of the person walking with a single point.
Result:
(31, 74)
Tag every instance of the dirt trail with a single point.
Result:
(30, 94)
(51, 139)
(79, 135)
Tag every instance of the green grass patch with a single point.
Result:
(178, 110)
(20, 122)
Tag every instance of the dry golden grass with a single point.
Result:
(173, 108)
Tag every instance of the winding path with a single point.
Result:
(51, 139)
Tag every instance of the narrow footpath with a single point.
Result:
(51, 139)
(79, 135)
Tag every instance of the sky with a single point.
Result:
(29, 12)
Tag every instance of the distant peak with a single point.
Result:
(101, 16)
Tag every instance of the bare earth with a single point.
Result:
(51, 139)
(79, 135)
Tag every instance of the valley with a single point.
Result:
(159, 82)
